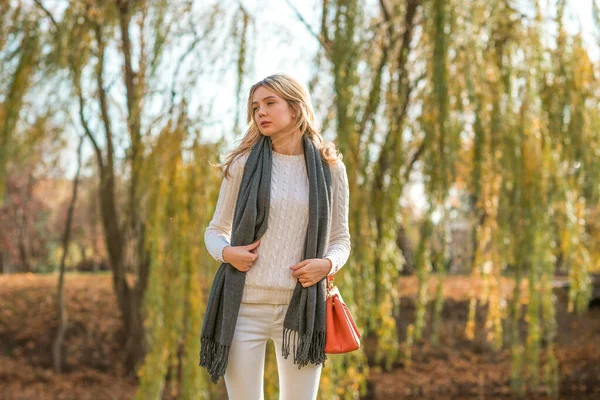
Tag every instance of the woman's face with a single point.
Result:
(272, 114)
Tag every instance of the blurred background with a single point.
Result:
(471, 135)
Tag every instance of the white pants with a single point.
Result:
(244, 376)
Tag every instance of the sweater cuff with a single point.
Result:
(219, 251)
(333, 269)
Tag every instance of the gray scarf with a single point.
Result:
(305, 317)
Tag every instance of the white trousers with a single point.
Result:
(244, 376)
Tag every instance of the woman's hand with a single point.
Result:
(241, 257)
(311, 270)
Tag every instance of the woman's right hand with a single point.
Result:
(241, 257)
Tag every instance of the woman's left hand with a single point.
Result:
(311, 270)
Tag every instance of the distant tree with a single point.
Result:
(23, 217)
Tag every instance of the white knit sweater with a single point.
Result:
(270, 280)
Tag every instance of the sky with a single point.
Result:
(269, 56)
(281, 43)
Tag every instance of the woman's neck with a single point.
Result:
(293, 146)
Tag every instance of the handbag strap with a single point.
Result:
(330, 284)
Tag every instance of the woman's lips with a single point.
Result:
(265, 124)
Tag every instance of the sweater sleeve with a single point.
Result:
(218, 233)
(338, 249)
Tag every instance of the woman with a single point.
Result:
(307, 207)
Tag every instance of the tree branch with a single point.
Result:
(102, 98)
(83, 121)
(48, 13)
(324, 43)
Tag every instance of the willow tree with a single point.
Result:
(530, 130)
(30, 137)
(83, 35)
(370, 67)
(441, 135)
(19, 51)
(88, 39)
(181, 196)
(488, 70)
(496, 114)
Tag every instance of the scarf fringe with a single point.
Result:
(308, 347)
(213, 356)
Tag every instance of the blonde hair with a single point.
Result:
(298, 99)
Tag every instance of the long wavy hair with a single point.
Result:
(298, 99)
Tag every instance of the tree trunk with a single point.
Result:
(129, 299)
(57, 354)
(405, 245)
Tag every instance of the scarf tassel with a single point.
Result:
(308, 347)
(213, 356)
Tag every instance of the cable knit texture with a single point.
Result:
(270, 280)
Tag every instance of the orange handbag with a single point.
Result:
(342, 334)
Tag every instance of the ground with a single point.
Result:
(458, 368)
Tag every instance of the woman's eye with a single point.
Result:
(269, 103)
